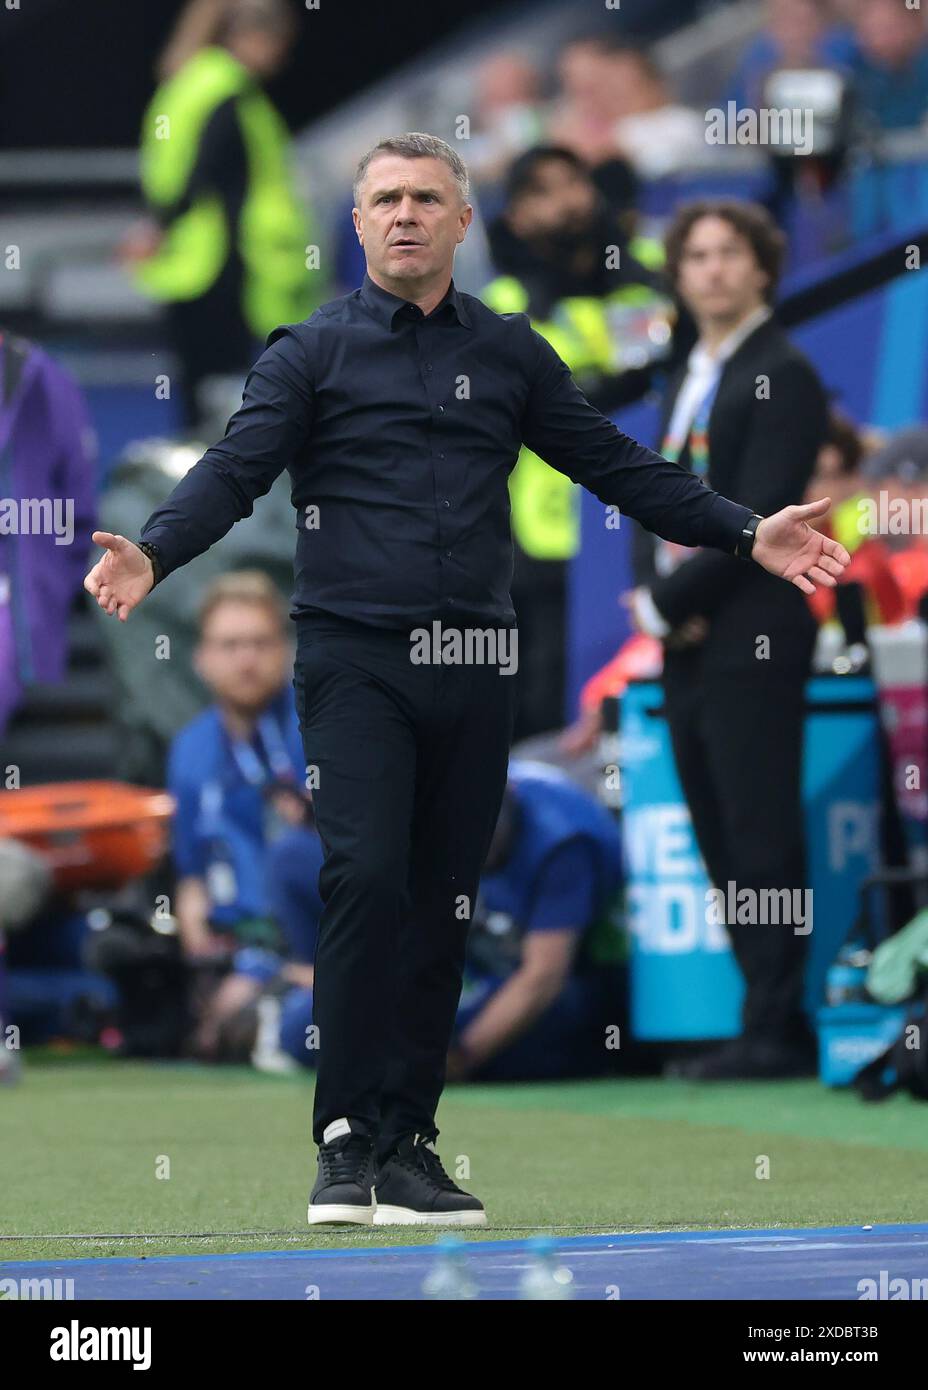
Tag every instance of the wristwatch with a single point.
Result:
(154, 555)
(746, 540)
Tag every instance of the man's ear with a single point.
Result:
(358, 226)
(467, 216)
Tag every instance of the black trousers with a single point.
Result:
(737, 743)
(412, 762)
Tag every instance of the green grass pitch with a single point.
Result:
(84, 1141)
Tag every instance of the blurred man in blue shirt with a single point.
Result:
(890, 72)
(239, 780)
(534, 1003)
(797, 34)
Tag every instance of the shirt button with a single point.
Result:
(447, 554)
(441, 410)
(446, 503)
(428, 366)
(441, 456)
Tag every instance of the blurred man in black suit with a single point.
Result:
(748, 413)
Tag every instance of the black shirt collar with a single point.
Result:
(385, 306)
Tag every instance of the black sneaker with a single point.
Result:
(413, 1189)
(344, 1190)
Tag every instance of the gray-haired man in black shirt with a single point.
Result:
(399, 411)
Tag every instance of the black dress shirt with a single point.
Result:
(399, 431)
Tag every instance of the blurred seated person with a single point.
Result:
(509, 114)
(896, 477)
(237, 773)
(797, 34)
(657, 135)
(598, 300)
(583, 119)
(838, 475)
(616, 107)
(535, 1001)
(263, 1012)
(537, 998)
(890, 70)
(801, 64)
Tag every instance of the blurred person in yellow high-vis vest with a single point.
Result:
(596, 295)
(230, 250)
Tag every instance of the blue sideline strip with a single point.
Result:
(805, 1263)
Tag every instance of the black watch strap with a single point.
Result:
(746, 540)
(154, 555)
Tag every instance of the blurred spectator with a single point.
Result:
(536, 1000)
(238, 776)
(891, 68)
(509, 114)
(800, 64)
(588, 105)
(560, 257)
(658, 135)
(902, 461)
(597, 300)
(900, 471)
(797, 34)
(538, 992)
(226, 252)
(838, 475)
(617, 106)
(584, 117)
(48, 512)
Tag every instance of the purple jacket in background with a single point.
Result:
(47, 461)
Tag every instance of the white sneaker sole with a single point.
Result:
(331, 1214)
(405, 1216)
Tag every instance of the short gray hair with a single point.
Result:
(415, 145)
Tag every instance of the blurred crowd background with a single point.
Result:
(141, 276)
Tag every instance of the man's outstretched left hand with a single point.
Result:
(786, 545)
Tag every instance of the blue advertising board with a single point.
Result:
(684, 981)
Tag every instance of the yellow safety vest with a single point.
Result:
(585, 333)
(274, 230)
(845, 523)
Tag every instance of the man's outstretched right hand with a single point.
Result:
(122, 578)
